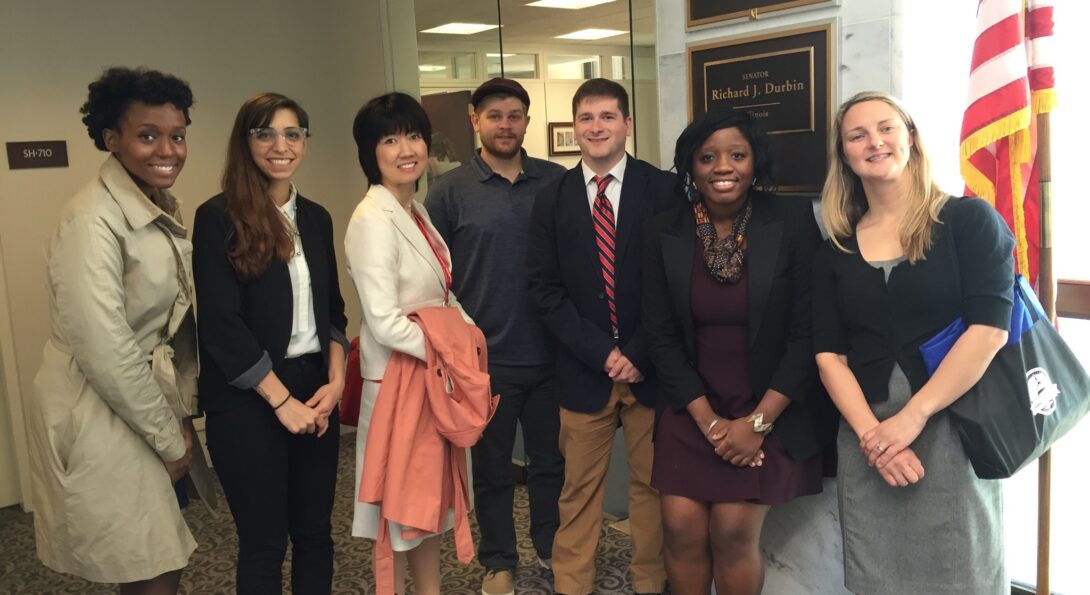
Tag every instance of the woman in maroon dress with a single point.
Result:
(726, 308)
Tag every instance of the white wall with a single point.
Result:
(9, 469)
(324, 53)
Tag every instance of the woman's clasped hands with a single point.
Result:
(324, 400)
(886, 447)
(736, 442)
(313, 415)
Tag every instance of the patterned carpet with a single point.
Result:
(212, 568)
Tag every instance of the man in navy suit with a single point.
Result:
(585, 249)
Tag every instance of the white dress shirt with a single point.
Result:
(304, 333)
(613, 191)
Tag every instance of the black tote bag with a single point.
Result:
(1033, 392)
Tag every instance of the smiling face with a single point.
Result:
(877, 142)
(150, 144)
(401, 159)
(277, 158)
(601, 131)
(723, 169)
(501, 123)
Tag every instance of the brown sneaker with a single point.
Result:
(498, 581)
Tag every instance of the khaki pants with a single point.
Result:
(586, 440)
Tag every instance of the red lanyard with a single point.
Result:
(435, 251)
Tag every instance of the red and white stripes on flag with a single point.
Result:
(1010, 82)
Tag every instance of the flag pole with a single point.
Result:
(1047, 294)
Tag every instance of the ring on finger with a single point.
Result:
(880, 448)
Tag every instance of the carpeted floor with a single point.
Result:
(212, 568)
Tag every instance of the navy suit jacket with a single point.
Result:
(565, 282)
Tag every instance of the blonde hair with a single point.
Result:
(843, 202)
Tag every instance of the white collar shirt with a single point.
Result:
(304, 332)
(613, 190)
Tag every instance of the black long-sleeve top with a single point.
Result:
(781, 240)
(243, 327)
(967, 272)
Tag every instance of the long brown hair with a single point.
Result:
(260, 230)
(843, 202)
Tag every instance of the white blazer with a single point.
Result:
(396, 273)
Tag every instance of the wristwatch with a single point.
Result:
(758, 423)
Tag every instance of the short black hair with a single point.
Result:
(600, 88)
(109, 97)
(694, 135)
(392, 113)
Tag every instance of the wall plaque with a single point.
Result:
(702, 12)
(783, 79)
(39, 153)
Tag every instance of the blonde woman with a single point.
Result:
(905, 259)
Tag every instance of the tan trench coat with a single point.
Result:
(111, 390)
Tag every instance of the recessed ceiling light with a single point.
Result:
(460, 28)
(591, 34)
(569, 4)
(431, 67)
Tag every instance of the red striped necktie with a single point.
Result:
(605, 235)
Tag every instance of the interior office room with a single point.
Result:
(333, 55)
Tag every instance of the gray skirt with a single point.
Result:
(941, 535)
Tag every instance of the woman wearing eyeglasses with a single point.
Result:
(271, 337)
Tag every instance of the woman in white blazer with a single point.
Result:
(399, 264)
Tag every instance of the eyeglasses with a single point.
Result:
(267, 136)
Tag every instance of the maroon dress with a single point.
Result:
(685, 462)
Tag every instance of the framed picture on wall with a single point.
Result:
(562, 139)
(702, 12)
(784, 79)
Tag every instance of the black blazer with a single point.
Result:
(781, 240)
(967, 272)
(565, 281)
(244, 327)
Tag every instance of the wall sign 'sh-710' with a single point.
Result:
(35, 154)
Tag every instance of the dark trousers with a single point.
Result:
(279, 485)
(527, 396)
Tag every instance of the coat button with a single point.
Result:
(601, 295)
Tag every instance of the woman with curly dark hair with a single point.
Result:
(108, 430)
(726, 309)
(272, 349)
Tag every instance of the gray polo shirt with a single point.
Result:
(485, 221)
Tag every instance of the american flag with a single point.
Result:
(1010, 82)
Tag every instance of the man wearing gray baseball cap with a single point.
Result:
(482, 209)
